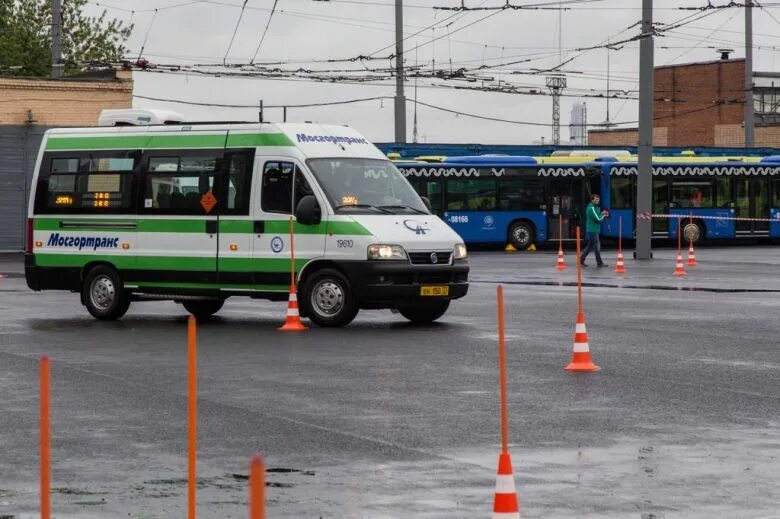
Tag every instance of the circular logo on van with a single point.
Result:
(277, 244)
(434, 258)
(489, 221)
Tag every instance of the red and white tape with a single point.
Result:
(648, 216)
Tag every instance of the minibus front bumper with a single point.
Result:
(386, 284)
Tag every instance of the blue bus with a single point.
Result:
(521, 200)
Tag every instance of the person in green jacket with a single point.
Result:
(593, 218)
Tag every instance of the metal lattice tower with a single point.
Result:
(556, 84)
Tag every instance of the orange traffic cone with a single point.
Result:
(505, 502)
(679, 271)
(561, 265)
(619, 266)
(293, 321)
(691, 256)
(580, 359)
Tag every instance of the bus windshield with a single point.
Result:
(366, 185)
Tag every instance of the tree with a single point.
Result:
(25, 37)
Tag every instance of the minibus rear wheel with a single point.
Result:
(204, 308)
(327, 299)
(104, 294)
(426, 312)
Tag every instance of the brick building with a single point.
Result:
(702, 104)
(30, 106)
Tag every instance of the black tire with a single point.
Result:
(203, 309)
(104, 295)
(521, 235)
(327, 299)
(693, 231)
(426, 312)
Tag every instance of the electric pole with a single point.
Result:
(400, 98)
(750, 123)
(556, 84)
(56, 39)
(644, 202)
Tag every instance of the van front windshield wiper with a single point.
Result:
(362, 206)
(402, 207)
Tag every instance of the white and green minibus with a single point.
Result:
(154, 208)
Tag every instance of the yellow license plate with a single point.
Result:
(434, 291)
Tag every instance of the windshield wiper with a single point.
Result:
(362, 206)
(402, 207)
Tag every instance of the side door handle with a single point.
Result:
(259, 226)
(211, 227)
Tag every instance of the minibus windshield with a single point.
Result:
(366, 186)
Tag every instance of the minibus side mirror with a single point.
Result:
(427, 202)
(308, 211)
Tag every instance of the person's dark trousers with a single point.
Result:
(593, 245)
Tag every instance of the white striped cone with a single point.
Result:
(691, 256)
(561, 265)
(679, 271)
(505, 501)
(293, 321)
(620, 266)
(580, 357)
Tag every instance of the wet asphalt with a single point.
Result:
(384, 419)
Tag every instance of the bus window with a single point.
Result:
(521, 194)
(725, 192)
(692, 193)
(239, 169)
(276, 194)
(776, 186)
(477, 194)
(434, 193)
(622, 196)
(660, 204)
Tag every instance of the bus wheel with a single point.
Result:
(693, 232)
(328, 299)
(521, 235)
(204, 308)
(424, 313)
(104, 294)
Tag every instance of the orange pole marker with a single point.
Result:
(679, 270)
(192, 415)
(292, 322)
(580, 359)
(620, 267)
(45, 439)
(505, 505)
(256, 488)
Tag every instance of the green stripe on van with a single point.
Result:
(206, 264)
(164, 141)
(213, 286)
(281, 227)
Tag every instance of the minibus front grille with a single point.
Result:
(427, 258)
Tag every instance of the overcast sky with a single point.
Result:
(302, 31)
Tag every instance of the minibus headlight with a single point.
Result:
(386, 252)
(460, 251)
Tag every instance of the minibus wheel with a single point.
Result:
(203, 309)
(328, 299)
(521, 235)
(426, 312)
(104, 294)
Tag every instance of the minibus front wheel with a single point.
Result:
(328, 299)
(426, 312)
(104, 294)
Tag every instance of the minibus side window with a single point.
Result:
(239, 181)
(178, 184)
(283, 187)
(87, 182)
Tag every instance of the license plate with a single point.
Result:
(435, 291)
